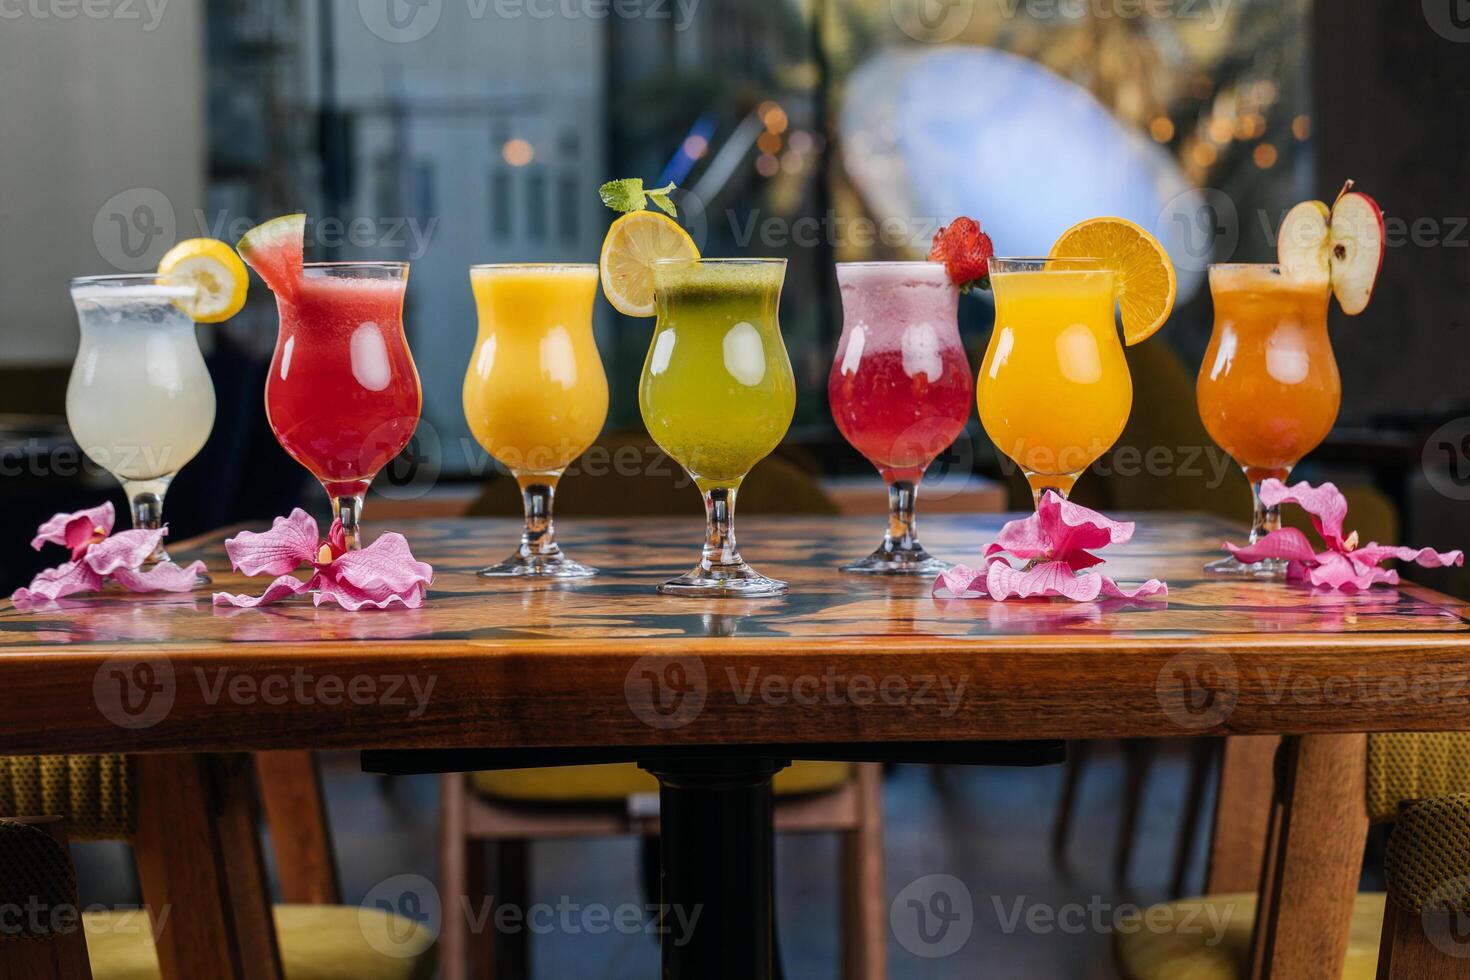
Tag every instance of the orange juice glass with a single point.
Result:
(1054, 390)
(1268, 389)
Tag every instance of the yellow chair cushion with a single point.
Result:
(619, 780)
(318, 942)
(1209, 939)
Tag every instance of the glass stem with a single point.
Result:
(719, 539)
(1266, 519)
(902, 533)
(539, 537)
(348, 510)
(146, 500)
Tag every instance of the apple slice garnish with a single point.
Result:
(1357, 249)
(1341, 246)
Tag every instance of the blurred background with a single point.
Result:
(454, 132)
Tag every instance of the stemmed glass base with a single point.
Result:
(1271, 569)
(145, 498)
(539, 556)
(721, 572)
(900, 553)
(1265, 520)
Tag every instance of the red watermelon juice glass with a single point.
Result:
(343, 395)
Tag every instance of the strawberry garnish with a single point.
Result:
(965, 251)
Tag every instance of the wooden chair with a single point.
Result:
(42, 936)
(1162, 383)
(1420, 781)
(490, 818)
(193, 824)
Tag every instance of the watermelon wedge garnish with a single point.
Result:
(275, 251)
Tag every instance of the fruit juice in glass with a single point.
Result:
(1054, 390)
(1268, 388)
(140, 401)
(900, 389)
(717, 394)
(535, 395)
(343, 395)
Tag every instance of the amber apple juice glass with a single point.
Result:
(1268, 389)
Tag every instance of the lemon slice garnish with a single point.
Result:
(633, 243)
(216, 272)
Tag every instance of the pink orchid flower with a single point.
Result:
(1056, 543)
(98, 555)
(1344, 564)
(378, 576)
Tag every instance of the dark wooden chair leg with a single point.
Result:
(1202, 755)
(1061, 829)
(1314, 859)
(201, 867)
(296, 812)
(512, 886)
(1407, 953)
(63, 955)
(864, 903)
(1138, 758)
(1243, 809)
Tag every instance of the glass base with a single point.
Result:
(1270, 569)
(538, 566)
(736, 580)
(908, 561)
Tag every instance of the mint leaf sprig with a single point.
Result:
(629, 195)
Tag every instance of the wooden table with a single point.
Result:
(714, 695)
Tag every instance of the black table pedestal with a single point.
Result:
(717, 859)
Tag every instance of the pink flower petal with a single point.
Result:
(75, 529)
(163, 577)
(282, 588)
(53, 583)
(1054, 578)
(290, 543)
(337, 538)
(385, 566)
(1336, 571)
(1373, 553)
(957, 582)
(1287, 542)
(125, 549)
(1153, 588)
(1061, 531)
(1325, 503)
(330, 588)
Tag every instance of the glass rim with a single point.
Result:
(1044, 259)
(674, 262)
(1254, 266)
(891, 264)
(527, 266)
(394, 266)
(130, 278)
